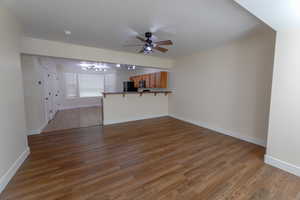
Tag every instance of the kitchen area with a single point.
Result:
(144, 96)
(64, 94)
(150, 82)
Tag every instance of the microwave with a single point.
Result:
(128, 86)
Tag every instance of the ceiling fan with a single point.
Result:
(149, 45)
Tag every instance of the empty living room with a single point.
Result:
(149, 100)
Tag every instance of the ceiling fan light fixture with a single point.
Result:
(151, 46)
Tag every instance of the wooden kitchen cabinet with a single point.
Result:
(163, 79)
(136, 80)
(146, 78)
(157, 80)
(153, 80)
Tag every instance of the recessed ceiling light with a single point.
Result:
(131, 67)
(118, 65)
(67, 32)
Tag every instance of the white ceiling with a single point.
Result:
(279, 14)
(193, 25)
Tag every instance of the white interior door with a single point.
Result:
(53, 88)
(48, 94)
(56, 92)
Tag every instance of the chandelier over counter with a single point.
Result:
(94, 67)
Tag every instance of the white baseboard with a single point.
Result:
(83, 106)
(293, 169)
(4, 180)
(225, 132)
(109, 122)
(38, 131)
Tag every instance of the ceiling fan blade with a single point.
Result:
(166, 42)
(141, 51)
(140, 38)
(161, 49)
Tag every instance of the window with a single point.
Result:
(71, 85)
(83, 85)
(90, 85)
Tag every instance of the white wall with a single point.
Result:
(13, 142)
(117, 109)
(283, 147)
(33, 71)
(227, 88)
(64, 50)
(34, 94)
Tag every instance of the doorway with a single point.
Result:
(72, 95)
(66, 93)
(60, 95)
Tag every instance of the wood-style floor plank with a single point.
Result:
(156, 159)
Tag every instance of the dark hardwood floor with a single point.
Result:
(157, 159)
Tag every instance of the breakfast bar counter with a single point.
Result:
(121, 107)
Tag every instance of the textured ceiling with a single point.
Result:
(193, 25)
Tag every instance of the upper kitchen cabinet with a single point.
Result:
(136, 80)
(153, 80)
(146, 78)
(161, 80)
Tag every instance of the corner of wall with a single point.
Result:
(37, 131)
(293, 169)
